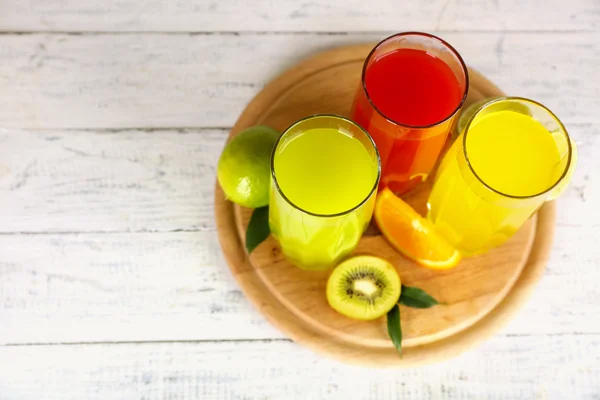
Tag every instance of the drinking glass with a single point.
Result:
(324, 175)
(513, 155)
(412, 86)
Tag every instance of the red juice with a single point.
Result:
(413, 99)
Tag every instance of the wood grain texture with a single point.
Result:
(74, 181)
(290, 15)
(120, 287)
(110, 287)
(505, 368)
(180, 80)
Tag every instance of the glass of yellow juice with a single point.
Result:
(324, 175)
(512, 156)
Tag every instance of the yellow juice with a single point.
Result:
(513, 158)
(322, 172)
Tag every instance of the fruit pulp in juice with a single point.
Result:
(512, 153)
(325, 172)
(413, 88)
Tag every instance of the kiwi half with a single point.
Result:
(363, 287)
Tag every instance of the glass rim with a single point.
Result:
(547, 110)
(335, 116)
(430, 36)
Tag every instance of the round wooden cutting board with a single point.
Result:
(479, 296)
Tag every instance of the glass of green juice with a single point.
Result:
(324, 175)
(513, 155)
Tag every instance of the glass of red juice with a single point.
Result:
(413, 85)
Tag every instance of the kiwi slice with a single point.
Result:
(363, 287)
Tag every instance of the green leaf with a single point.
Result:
(394, 328)
(416, 298)
(258, 228)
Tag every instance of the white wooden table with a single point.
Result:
(113, 114)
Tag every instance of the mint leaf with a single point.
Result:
(394, 328)
(258, 228)
(416, 298)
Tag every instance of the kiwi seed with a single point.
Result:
(363, 287)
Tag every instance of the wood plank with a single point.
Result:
(176, 286)
(182, 80)
(534, 367)
(115, 287)
(65, 181)
(290, 15)
(163, 180)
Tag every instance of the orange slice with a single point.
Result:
(411, 234)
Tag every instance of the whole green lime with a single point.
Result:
(244, 167)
